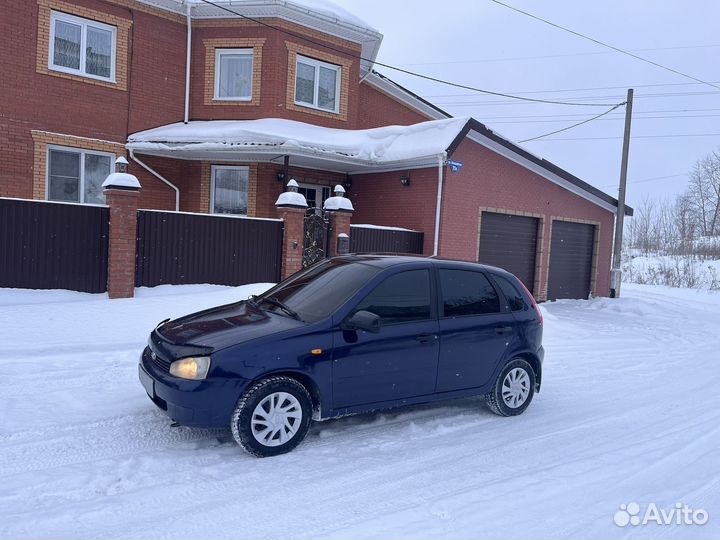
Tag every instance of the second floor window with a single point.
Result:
(317, 84)
(233, 74)
(82, 47)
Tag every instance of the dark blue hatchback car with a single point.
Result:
(347, 335)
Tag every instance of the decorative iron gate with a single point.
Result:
(316, 236)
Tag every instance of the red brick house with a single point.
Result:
(216, 112)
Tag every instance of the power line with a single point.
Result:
(540, 57)
(652, 179)
(644, 96)
(628, 53)
(575, 114)
(614, 119)
(574, 125)
(668, 136)
(401, 70)
(578, 89)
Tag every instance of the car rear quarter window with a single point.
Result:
(515, 299)
(402, 297)
(467, 293)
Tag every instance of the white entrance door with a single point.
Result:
(315, 195)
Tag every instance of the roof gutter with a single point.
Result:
(438, 205)
(186, 117)
(157, 175)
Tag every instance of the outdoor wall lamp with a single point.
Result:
(281, 176)
(405, 181)
(348, 182)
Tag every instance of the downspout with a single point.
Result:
(438, 206)
(187, 65)
(157, 175)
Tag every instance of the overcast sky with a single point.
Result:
(482, 44)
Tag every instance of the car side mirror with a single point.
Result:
(363, 320)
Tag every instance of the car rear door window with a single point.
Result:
(515, 299)
(402, 297)
(467, 293)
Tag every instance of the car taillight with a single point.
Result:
(534, 303)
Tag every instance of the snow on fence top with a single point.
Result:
(368, 226)
(374, 146)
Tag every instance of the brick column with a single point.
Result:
(121, 247)
(291, 207)
(339, 211)
(339, 224)
(293, 232)
(122, 191)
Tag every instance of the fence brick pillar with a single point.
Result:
(339, 211)
(291, 207)
(339, 224)
(122, 191)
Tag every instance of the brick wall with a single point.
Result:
(380, 109)
(380, 199)
(488, 180)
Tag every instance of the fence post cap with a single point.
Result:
(339, 204)
(120, 180)
(291, 199)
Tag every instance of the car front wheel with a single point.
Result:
(514, 389)
(272, 417)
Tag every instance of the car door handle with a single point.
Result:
(427, 338)
(500, 330)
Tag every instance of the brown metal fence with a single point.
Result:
(180, 248)
(53, 245)
(380, 240)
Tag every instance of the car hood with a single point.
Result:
(223, 326)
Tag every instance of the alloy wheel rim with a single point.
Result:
(516, 388)
(276, 419)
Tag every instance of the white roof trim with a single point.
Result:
(405, 97)
(348, 28)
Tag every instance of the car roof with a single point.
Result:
(386, 261)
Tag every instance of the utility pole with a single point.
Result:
(616, 272)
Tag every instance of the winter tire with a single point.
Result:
(272, 417)
(514, 389)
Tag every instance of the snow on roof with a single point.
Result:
(320, 7)
(381, 145)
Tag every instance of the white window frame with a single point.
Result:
(84, 24)
(317, 64)
(318, 188)
(81, 187)
(245, 51)
(214, 168)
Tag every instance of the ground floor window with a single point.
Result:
(77, 175)
(229, 193)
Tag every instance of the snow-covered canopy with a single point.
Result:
(389, 145)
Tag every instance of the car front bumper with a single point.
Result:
(207, 403)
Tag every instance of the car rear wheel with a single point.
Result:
(272, 417)
(514, 389)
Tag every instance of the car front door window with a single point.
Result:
(398, 362)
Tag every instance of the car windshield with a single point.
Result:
(318, 291)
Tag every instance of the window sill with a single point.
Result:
(233, 100)
(107, 80)
(315, 108)
(107, 83)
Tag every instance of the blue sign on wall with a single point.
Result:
(455, 166)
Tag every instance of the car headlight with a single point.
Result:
(194, 368)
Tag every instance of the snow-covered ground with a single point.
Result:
(629, 412)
